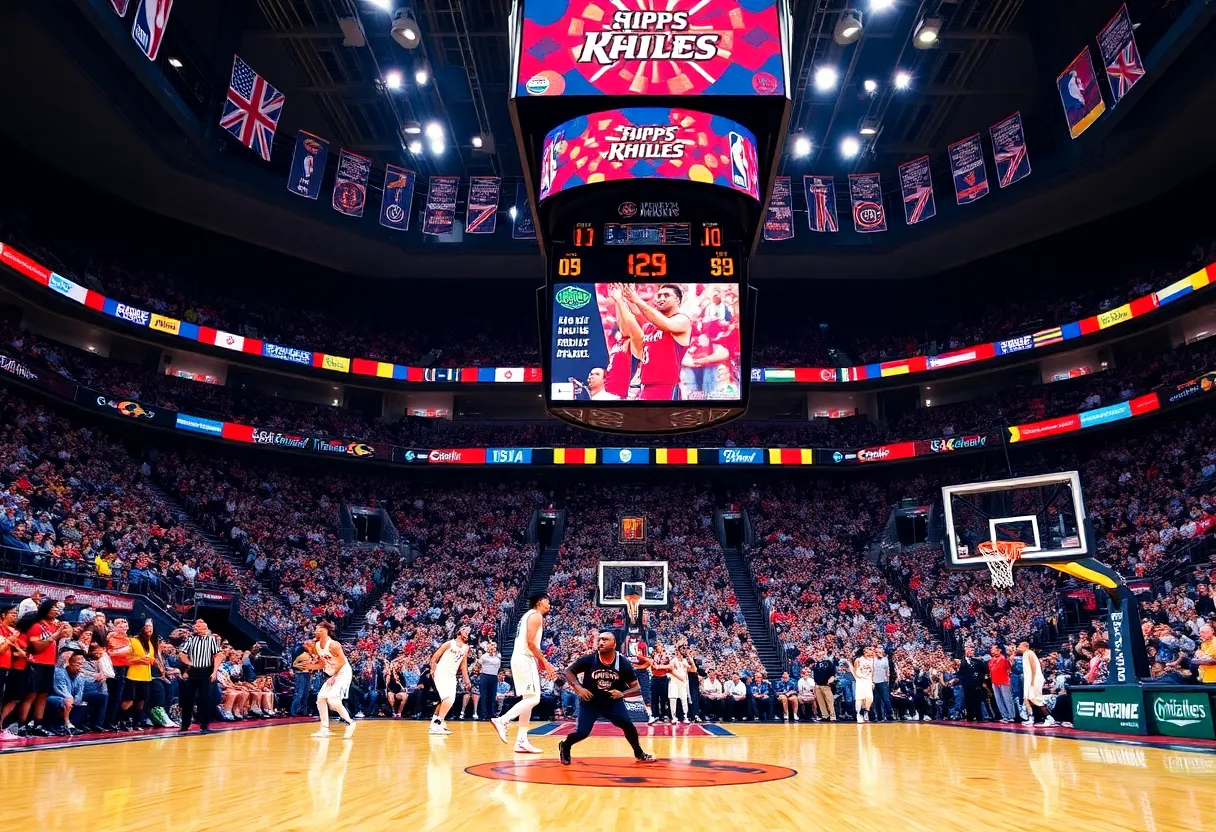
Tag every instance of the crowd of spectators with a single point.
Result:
(477, 338)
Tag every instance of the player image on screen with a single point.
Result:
(662, 342)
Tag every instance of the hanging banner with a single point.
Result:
(522, 226)
(308, 165)
(779, 219)
(398, 198)
(1080, 94)
(821, 203)
(350, 184)
(916, 185)
(1120, 55)
(440, 213)
(1009, 150)
(148, 26)
(968, 169)
(865, 194)
(481, 215)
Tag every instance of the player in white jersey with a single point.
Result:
(527, 662)
(451, 656)
(330, 658)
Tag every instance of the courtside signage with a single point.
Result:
(1117, 709)
(1182, 714)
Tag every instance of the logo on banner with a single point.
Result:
(262, 436)
(307, 165)
(132, 314)
(865, 193)
(957, 443)
(627, 209)
(1180, 712)
(1080, 94)
(509, 456)
(868, 215)
(397, 199)
(1012, 345)
(572, 297)
(740, 456)
(148, 29)
(740, 166)
(659, 210)
(1120, 54)
(291, 354)
(873, 454)
(16, 368)
(130, 409)
(648, 36)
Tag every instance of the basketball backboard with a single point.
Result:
(1045, 513)
(644, 578)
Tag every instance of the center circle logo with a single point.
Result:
(623, 772)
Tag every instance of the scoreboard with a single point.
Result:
(649, 141)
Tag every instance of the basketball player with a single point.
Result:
(451, 656)
(662, 341)
(863, 673)
(332, 660)
(635, 635)
(527, 661)
(1032, 686)
(622, 361)
(602, 680)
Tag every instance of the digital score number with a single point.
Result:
(648, 264)
(569, 265)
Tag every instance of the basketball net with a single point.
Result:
(633, 603)
(1000, 555)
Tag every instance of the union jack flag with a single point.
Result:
(1125, 70)
(252, 110)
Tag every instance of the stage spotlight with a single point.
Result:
(849, 28)
(871, 86)
(850, 147)
(903, 80)
(927, 32)
(802, 146)
(404, 30)
(825, 78)
(393, 79)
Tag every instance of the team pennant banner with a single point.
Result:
(481, 215)
(779, 220)
(308, 165)
(1120, 55)
(522, 227)
(865, 194)
(1009, 150)
(968, 169)
(350, 185)
(821, 203)
(440, 214)
(398, 198)
(916, 186)
(1080, 94)
(148, 26)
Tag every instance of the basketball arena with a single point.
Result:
(526, 414)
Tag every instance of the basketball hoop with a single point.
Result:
(1000, 555)
(633, 602)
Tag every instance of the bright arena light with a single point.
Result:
(802, 146)
(825, 78)
(393, 79)
(871, 86)
(434, 131)
(850, 147)
(903, 80)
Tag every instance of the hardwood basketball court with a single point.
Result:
(393, 775)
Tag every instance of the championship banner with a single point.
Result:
(779, 220)
(865, 194)
(350, 183)
(1080, 94)
(308, 165)
(148, 26)
(968, 169)
(649, 143)
(481, 214)
(523, 227)
(916, 186)
(821, 203)
(440, 213)
(600, 47)
(1120, 55)
(398, 198)
(1009, 150)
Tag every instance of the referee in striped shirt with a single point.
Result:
(200, 653)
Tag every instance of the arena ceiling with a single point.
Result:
(147, 131)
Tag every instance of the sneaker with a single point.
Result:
(1029, 723)
(437, 730)
(350, 731)
(796, 718)
(652, 720)
(7, 735)
(927, 718)
(1049, 722)
(687, 721)
(500, 727)
(646, 758)
(359, 715)
(563, 753)
(476, 717)
(859, 719)
(1065, 724)
(525, 747)
(320, 732)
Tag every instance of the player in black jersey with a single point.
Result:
(602, 680)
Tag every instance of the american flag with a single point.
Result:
(1125, 70)
(252, 110)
